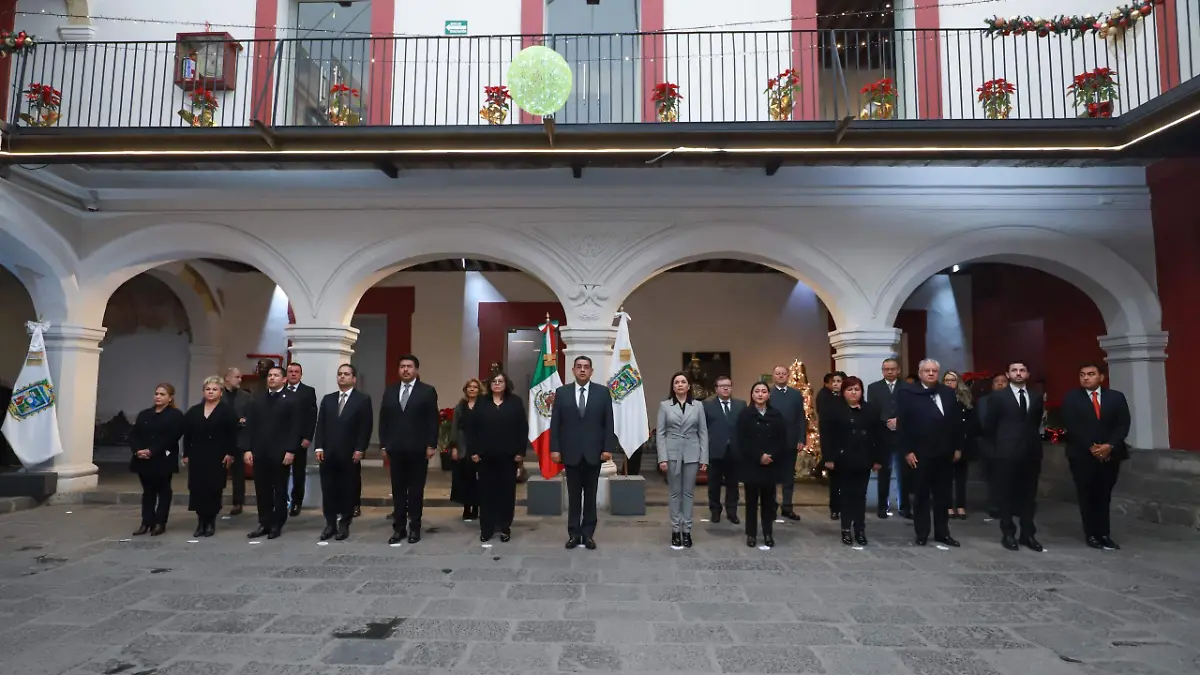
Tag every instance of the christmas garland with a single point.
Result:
(1112, 24)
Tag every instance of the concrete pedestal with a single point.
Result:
(545, 497)
(39, 485)
(627, 495)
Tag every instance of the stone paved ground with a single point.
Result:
(77, 599)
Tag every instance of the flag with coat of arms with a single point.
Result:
(544, 383)
(630, 420)
(31, 421)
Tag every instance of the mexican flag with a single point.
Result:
(541, 398)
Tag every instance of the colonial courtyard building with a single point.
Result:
(324, 182)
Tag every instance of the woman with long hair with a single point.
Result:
(498, 438)
(762, 436)
(851, 439)
(464, 484)
(958, 476)
(154, 441)
(210, 431)
(681, 441)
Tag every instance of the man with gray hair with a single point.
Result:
(929, 422)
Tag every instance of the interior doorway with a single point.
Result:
(598, 42)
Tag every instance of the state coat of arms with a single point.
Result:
(624, 382)
(31, 400)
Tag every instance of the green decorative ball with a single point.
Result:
(539, 80)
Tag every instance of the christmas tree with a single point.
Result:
(809, 464)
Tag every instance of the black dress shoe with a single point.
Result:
(199, 530)
(274, 533)
(357, 511)
(396, 537)
(1009, 542)
(574, 542)
(589, 543)
(860, 538)
(414, 536)
(1107, 542)
(734, 519)
(769, 541)
(751, 542)
(294, 511)
(210, 528)
(1094, 542)
(687, 539)
(676, 539)
(921, 541)
(466, 516)
(485, 538)
(948, 541)
(835, 515)
(846, 538)
(716, 516)
(141, 530)
(157, 530)
(1031, 544)
(236, 510)
(328, 532)
(506, 536)
(258, 532)
(883, 514)
(343, 531)
(791, 515)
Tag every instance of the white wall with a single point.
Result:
(946, 300)
(16, 308)
(253, 319)
(131, 366)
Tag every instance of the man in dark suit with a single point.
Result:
(408, 433)
(273, 426)
(1097, 423)
(882, 395)
(233, 394)
(999, 382)
(721, 413)
(1014, 455)
(582, 437)
(307, 404)
(343, 433)
(928, 421)
(789, 402)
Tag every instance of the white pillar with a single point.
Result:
(1136, 367)
(204, 360)
(861, 352)
(73, 356)
(320, 350)
(596, 344)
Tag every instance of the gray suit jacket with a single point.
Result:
(722, 431)
(681, 433)
(790, 403)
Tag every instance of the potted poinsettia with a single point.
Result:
(343, 106)
(781, 94)
(666, 101)
(996, 98)
(204, 107)
(44, 101)
(881, 100)
(1094, 92)
(495, 105)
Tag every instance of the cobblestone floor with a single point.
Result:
(78, 596)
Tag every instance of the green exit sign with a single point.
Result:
(456, 27)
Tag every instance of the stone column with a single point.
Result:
(73, 356)
(1137, 368)
(320, 349)
(204, 360)
(861, 352)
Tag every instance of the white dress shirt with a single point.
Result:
(937, 399)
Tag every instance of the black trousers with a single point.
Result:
(722, 473)
(760, 501)
(1094, 482)
(237, 476)
(883, 481)
(1014, 491)
(338, 484)
(497, 494)
(408, 473)
(853, 497)
(834, 477)
(958, 494)
(357, 485)
(582, 482)
(270, 490)
(156, 497)
(932, 490)
(299, 464)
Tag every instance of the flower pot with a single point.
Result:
(780, 107)
(999, 113)
(494, 113)
(876, 111)
(1097, 109)
(666, 114)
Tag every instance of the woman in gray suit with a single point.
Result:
(682, 445)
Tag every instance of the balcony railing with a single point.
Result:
(440, 81)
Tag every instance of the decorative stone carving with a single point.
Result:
(588, 316)
(589, 294)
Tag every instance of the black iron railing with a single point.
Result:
(440, 81)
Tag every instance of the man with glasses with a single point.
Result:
(721, 413)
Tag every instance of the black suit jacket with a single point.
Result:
(884, 401)
(340, 436)
(412, 429)
(790, 404)
(581, 439)
(1011, 435)
(923, 429)
(307, 405)
(722, 430)
(273, 425)
(1083, 429)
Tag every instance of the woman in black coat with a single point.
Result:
(498, 438)
(210, 430)
(851, 439)
(154, 441)
(464, 483)
(971, 432)
(762, 436)
(829, 401)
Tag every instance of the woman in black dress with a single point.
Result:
(762, 436)
(210, 431)
(499, 437)
(971, 432)
(154, 441)
(829, 399)
(851, 436)
(464, 484)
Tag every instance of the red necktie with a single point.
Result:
(1096, 403)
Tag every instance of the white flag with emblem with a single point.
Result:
(629, 398)
(31, 421)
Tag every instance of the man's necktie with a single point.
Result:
(342, 402)
(582, 401)
(891, 387)
(725, 404)
(1024, 403)
(404, 396)
(1096, 403)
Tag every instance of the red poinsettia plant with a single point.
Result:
(996, 97)
(1095, 91)
(881, 97)
(204, 107)
(781, 93)
(497, 96)
(44, 101)
(445, 423)
(666, 100)
(343, 106)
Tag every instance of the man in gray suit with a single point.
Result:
(882, 395)
(789, 402)
(582, 436)
(721, 413)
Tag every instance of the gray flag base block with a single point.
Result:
(620, 495)
(627, 495)
(39, 485)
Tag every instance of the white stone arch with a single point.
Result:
(1125, 299)
(372, 263)
(119, 260)
(40, 258)
(203, 325)
(790, 254)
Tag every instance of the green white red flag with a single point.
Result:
(541, 398)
